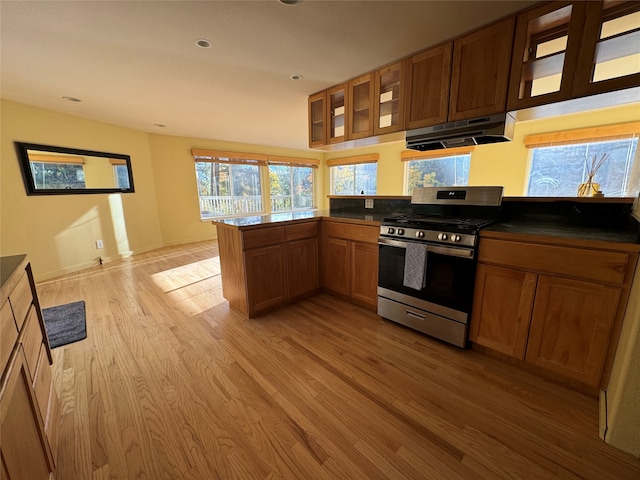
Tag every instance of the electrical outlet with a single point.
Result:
(368, 203)
(99, 244)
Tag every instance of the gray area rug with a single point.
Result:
(65, 323)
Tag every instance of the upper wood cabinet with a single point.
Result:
(480, 73)
(428, 80)
(389, 98)
(318, 119)
(610, 54)
(565, 50)
(337, 114)
(545, 54)
(360, 111)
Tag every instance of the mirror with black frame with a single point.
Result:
(49, 170)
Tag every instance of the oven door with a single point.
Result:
(450, 273)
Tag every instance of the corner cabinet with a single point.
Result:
(360, 111)
(480, 72)
(29, 407)
(265, 267)
(350, 261)
(555, 306)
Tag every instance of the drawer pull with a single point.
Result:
(416, 315)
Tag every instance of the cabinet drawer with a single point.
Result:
(32, 340)
(8, 335)
(602, 266)
(261, 237)
(21, 299)
(301, 230)
(349, 231)
(42, 382)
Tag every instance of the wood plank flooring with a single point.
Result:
(171, 384)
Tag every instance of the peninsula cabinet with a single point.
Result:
(480, 72)
(29, 408)
(428, 80)
(350, 261)
(554, 306)
(265, 267)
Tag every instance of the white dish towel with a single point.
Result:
(415, 266)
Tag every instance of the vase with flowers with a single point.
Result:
(590, 187)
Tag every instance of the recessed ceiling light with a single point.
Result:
(159, 125)
(296, 76)
(71, 99)
(289, 2)
(203, 43)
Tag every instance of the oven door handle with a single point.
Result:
(451, 251)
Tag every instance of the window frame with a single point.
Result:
(351, 161)
(583, 136)
(292, 186)
(260, 161)
(409, 156)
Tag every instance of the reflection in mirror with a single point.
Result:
(51, 170)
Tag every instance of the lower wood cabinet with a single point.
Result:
(350, 261)
(267, 267)
(551, 317)
(29, 407)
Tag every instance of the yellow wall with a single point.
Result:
(59, 232)
(495, 164)
(98, 173)
(175, 181)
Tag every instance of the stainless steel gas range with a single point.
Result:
(427, 259)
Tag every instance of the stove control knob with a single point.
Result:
(455, 238)
(391, 231)
(400, 231)
(420, 234)
(443, 236)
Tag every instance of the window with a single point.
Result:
(121, 175)
(50, 175)
(558, 168)
(436, 168)
(354, 175)
(232, 183)
(228, 183)
(291, 187)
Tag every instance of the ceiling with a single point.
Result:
(136, 63)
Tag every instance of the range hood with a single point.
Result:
(479, 131)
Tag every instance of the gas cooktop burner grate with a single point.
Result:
(439, 220)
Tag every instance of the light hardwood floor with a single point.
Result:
(171, 384)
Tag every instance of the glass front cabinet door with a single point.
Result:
(545, 54)
(337, 100)
(360, 118)
(389, 99)
(317, 120)
(610, 55)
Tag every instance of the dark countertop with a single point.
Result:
(563, 231)
(8, 265)
(254, 221)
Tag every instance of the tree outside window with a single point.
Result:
(557, 171)
(227, 189)
(437, 172)
(354, 179)
(291, 188)
(48, 175)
